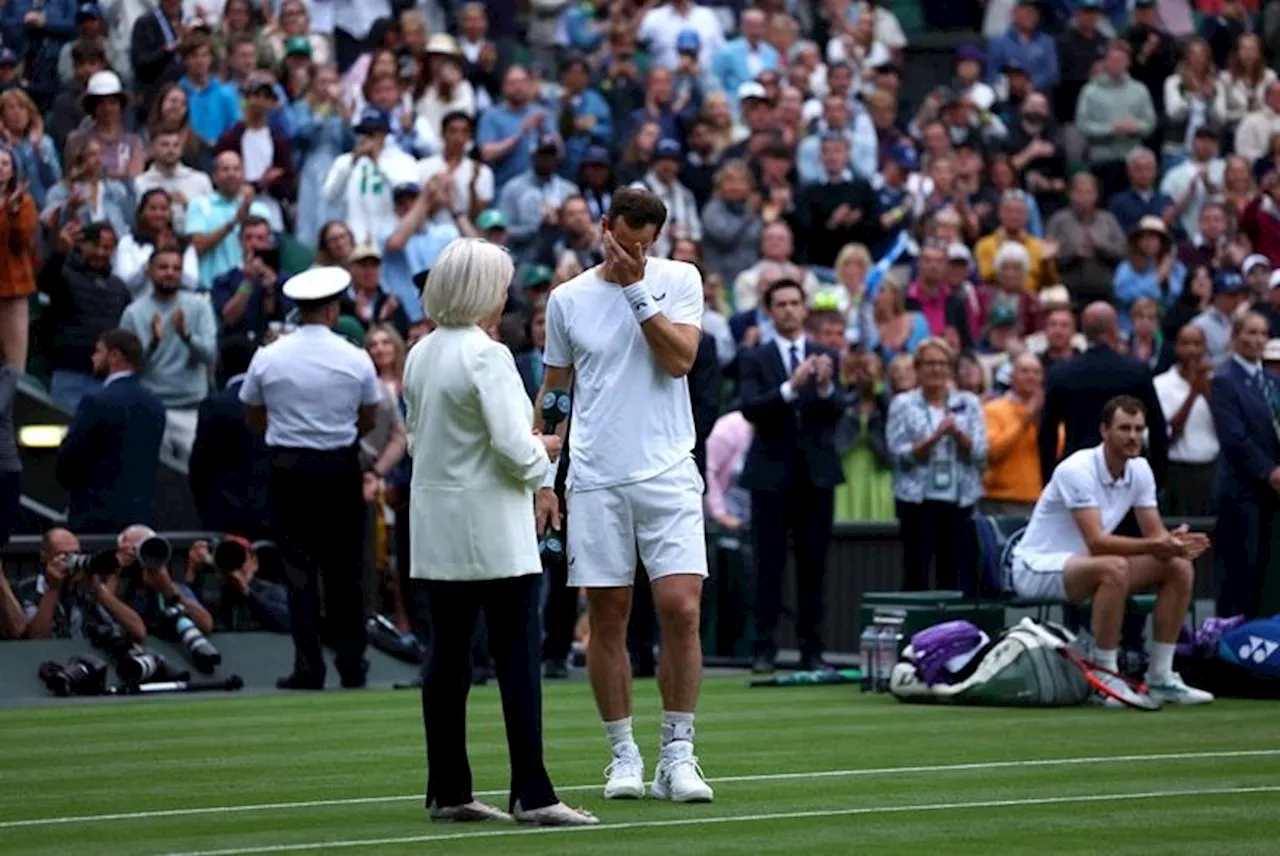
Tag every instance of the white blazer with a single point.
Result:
(476, 462)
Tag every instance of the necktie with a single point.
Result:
(795, 358)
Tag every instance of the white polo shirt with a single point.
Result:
(1198, 443)
(312, 383)
(1083, 481)
(631, 419)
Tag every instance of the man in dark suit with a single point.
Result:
(789, 393)
(229, 464)
(1076, 390)
(109, 458)
(1245, 402)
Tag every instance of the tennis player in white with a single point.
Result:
(1069, 552)
(625, 334)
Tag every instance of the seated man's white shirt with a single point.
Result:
(631, 419)
(1079, 482)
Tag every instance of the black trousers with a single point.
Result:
(941, 530)
(802, 512)
(1242, 553)
(318, 518)
(511, 605)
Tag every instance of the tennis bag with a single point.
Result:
(1244, 662)
(1024, 667)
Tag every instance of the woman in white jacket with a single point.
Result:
(472, 539)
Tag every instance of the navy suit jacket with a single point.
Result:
(1250, 449)
(109, 458)
(1075, 392)
(793, 442)
(228, 467)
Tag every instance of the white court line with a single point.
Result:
(735, 818)
(768, 777)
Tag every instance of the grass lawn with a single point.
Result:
(805, 770)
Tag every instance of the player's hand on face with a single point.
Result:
(626, 265)
(546, 510)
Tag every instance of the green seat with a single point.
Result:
(295, 256)
(910, 14)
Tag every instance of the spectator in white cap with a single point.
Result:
(757, 114)
(123, 154)
(1256, 270)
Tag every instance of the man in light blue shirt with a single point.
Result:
(180, 346)
(532, 200)
(508, 132)
(425, 228)
(213, 107)
(213, 221)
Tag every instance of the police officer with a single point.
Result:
(313, 394)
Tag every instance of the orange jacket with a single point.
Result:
(17, 249)
(1013, 457)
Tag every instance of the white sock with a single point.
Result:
(1107, 658)
(676, 725)
(619, 732)
(1160, 661)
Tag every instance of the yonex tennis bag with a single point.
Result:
(1024, 667)
(1245, 663)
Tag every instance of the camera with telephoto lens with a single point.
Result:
(153, 553)
(181, 627)
(81, 676)
(136, 665)
(101, 564)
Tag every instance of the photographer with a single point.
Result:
(55, 608)
(247, 299)
(149, 592)
(267, 602)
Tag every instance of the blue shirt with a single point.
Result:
(213, 109)
(420, 253)
(499, 123)
(1037, 54)
(211, 212)
(1129, 207)
(253, 322)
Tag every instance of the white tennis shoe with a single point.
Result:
(678, 777)
(624, 777)
(1174, 690)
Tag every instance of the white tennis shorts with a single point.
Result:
(1040, 576)
(659, 519)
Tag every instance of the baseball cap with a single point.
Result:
(536, 276)
(297, 46)
(688, 42)
(102, 83)
(88, 10)
(1275, 279)
(1254, 261)
(1053, 296)
(1002, 315)
(372, 121)
(363, 252)
(667, 149)
(8, 57)
(752, 91)
(1228, 282)
(904, 155)
(596, 156)
(406, 188)
(958, 252)
(969, 53)
(1013, 64)
(490, 220)
(259, 82)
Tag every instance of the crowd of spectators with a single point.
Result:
(165, 169)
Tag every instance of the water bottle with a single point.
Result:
(887, 648)
(868, 651)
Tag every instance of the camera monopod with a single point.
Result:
(230, 684)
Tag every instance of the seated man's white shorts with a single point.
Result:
(1040, 576)
(660, 518)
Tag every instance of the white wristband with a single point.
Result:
(642, 303)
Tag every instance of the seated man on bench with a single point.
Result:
(1069, 552)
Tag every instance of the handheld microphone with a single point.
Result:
(555, 409)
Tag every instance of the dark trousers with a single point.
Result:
(1189, 489)
(318, 517)
(941, 531)
(1113, 176)
(346, 49)
(511, 605)
(802, 512)
(1242, 552)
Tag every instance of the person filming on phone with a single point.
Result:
(247, 299)
(1069, 552)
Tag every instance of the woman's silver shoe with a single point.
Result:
(555, 815)
(472, 812)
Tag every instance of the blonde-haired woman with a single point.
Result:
(938, 445)
(472, 533)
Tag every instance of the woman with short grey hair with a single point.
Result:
(472, 538)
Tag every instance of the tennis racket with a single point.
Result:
(1112, 684)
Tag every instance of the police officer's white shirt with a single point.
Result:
(631, 419)
(312, 383)
(1083, 481)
